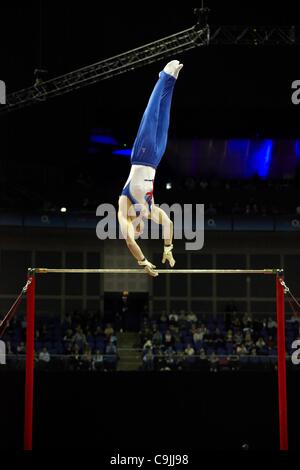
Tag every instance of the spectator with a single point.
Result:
(157, 338)
(168, 339)
(148, 360)
(203, 359)
(68, 341)
(248, 340)
(191, 317)
(198, 335)
(87, 359)
(21, 348)
(189, 350)
(214, 362)
(270, 342)
(109, 331)
(79, 338)
(97, 362)
(44, 355)
(147, 345)
(260, 344)
(241, 349)
(110, 356)
(173, 317)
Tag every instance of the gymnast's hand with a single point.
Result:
(148, 267)
(168, 255)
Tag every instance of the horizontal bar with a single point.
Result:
(160, 271)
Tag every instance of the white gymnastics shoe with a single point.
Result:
(173, 68)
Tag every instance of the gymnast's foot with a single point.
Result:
(173, 68)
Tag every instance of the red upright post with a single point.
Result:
(29, 363)
(282, 398)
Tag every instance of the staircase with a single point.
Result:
(129, 359)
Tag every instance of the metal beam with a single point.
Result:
(255, 35)
(160, 271)
(144, 55)
(150, 53)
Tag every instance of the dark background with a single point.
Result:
(223, 91)
(158, 412)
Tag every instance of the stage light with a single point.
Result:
(63, 209)
(168, 185)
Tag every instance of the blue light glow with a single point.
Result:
(103, 139)
(125, 152)
(262, 157)
(297, 149)
(238, 145)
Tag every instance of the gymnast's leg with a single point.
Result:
(151, 139)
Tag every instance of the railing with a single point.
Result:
(17, 361)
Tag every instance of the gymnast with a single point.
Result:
(136, 201)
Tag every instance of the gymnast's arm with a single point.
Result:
(128, 232)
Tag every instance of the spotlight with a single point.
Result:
(63, 209)
(168, 185)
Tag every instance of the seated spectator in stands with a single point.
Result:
(189, 350)
(248, 340)
(110, 355)
(148, 345)
(168, 339)
(44, 355)
(238, 337)
(114, 339)
(191, 317)
(241, 349)
(198, 335)
(260, 344)
(159, 359)
(229, 336)
(157, 338)
(21, 348)
(68, 341)
(272, 326)
(148, 360)
(270, 342)
(145, 334)
(203, 360)
(79, 338)
(109, 331)
(97, 362)
(202, 331)
(76, 361)
(247, 323)
(175, 332)
(173, 317)
(170, 357)
(214, 362)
